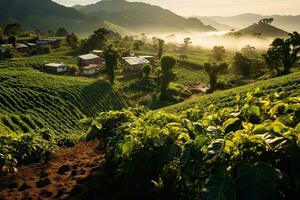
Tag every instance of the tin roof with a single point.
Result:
(136, 60)
(55, 65)
(88, 56)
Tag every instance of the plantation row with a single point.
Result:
(30, 100)
(244, 152)
(289, 84)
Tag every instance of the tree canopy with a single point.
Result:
(167, 64)
(283, 53)
(111, 56)
(213, 70)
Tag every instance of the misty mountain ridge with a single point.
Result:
(261, 30)
(286, 22)
(142, 17)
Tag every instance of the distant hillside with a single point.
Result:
(265, 30)
(142, 17)
(286, 22)
(214, 23)
(44, 15)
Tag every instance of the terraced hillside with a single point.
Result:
(31, 100)
(286, 85)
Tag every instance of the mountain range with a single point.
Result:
(261, 30)
(113, 14)
(289, 23)
(142, 17)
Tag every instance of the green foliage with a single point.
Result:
(209, 153)
(12, 29)
(16, 148)
(99, 39)
(72, 40)
(147, 70)
(161, 43)
(283, 52)
(218, 53)
(187, 42)
(111, 57)
(284, 86)
(213, 71)
(61, 32)
(167, 63)
(242, 65)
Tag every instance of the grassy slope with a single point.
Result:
(32, 100)
(290, 84)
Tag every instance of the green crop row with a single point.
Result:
(243, 152)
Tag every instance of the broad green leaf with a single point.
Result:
(232, 124)
(258, 182)
(254, 110)
(220, 186)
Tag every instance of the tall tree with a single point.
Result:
(218, 53)
(99, 39)
(213, 71)
(61, 32)
(286, 51)
(242, 65)
(12, 40)
(12, 29)
(111, 57)
(161, 43)
(187, 41)
(167, 75)
(248, 50)
(72, 40)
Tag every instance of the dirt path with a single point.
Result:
(55, 179)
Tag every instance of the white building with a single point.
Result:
(56, 68)
(134, 63)
(90, 70)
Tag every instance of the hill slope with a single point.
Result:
(138, 16)
(216, 24)
(265, 30)
(31, 100)
(286, 22)
(45, 15)
(290, 84)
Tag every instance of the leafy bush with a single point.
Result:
(248, 151)
(26, 148)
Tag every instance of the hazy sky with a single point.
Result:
(216, 7)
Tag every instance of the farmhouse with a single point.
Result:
(134, 63)
(55, 68)
(90, 70)
(89, 59)
(31, 45)
(54, 43)
(151, 59)
(19, 46)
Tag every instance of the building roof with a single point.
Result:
(55, 65)
(97, 51)
(88, 56)
(30, 44)
(146, 56)
(90, 67)
(136, 60)
(21, 45)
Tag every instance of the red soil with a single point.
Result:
(56, 178)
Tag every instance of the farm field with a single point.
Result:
(286, 85)
(31, 100)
